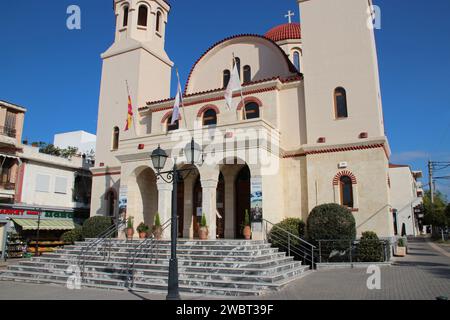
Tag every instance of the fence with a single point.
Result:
(335, 251)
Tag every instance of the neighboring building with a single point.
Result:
(406, 199)
(11, 126)
(296, 141)
(82, 140)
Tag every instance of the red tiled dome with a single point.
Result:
(285, 32)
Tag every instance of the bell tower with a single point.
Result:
(135, 64)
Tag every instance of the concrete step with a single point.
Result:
(223, 247)
(102, 265)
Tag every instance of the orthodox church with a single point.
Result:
(307, 128)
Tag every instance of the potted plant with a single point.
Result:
(157, 229)
(247, 231)
(142, 229)
(203, 231)
(401, 248)
(130, 227)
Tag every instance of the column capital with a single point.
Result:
(209, 183)
(163, 186)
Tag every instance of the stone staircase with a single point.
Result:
(225, 267)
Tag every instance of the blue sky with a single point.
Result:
(55, 72)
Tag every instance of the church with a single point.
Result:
(307, 128)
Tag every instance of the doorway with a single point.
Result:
(242, 199)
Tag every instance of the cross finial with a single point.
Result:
(290, 15)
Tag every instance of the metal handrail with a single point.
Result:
(105, 235)
(287, 241)
(145, 247)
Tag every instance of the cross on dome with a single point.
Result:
(290, 15)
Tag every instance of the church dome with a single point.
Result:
(286, 31)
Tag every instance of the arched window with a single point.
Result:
(340, 103)
(125, 16)
(346, 191)
(209, 117)
(115, 140)
(172, 127)
(251, 110)
(237, 62)
(226, 78)
(142, 16)
(158, 21)
(297, 60)
(247, 74)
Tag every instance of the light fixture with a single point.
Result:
(193, 152)
(159, 158)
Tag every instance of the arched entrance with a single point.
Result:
(242, 196)
(142, 196)
(111, 202)
(220, 203)
(196, 217)
(180, 208)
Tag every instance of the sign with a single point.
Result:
(199, 211)
(123, 201)
(34, 213)
(256, 208)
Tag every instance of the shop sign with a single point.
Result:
(33, 213)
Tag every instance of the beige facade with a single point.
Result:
(11, 128)
(284, 135)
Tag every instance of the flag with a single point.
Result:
(178, 102)
(130, 114)
(233, 86)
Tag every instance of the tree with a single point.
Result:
(435, 213)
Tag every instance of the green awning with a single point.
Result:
(53, 224)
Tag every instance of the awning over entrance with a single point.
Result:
(54, 224)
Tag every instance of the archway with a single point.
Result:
(242, 196)
(142, 196)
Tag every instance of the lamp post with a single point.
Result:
(159, 158)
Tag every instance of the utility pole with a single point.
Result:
(430, 180)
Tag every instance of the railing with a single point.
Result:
(289, 242)
(350, 251)
(144, 250)
(7, 131)
(101, 240)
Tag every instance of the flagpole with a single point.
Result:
(242, 94)
(182, 100)
(133, 120)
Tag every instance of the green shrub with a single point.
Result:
(370, 248)
(142, 228)
(331, 222)
(401, 243)
(70, 237)
(157, 220)
(94, 226)
(279, 238)
(203, 222)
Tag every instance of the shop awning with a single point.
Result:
(54, 224)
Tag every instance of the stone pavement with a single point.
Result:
(423, 275)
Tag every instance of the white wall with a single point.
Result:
(84, 141)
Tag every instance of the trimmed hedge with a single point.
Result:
(293, 225)
(94, 226)
(331, 222)
(73, 235)
(278, 237)
(370, 248)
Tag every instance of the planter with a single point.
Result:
(142, 235)
(400, 252)
(247, 233)
(157, 233)
(203, 233)
(130, 233)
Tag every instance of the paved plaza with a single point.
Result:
(423, 275)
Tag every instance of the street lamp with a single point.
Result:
(159, 157)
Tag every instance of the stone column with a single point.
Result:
(209, 205)
(165, 204)
(188, 230)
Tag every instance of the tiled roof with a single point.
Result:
(285, 32)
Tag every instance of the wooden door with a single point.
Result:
(180, 208)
